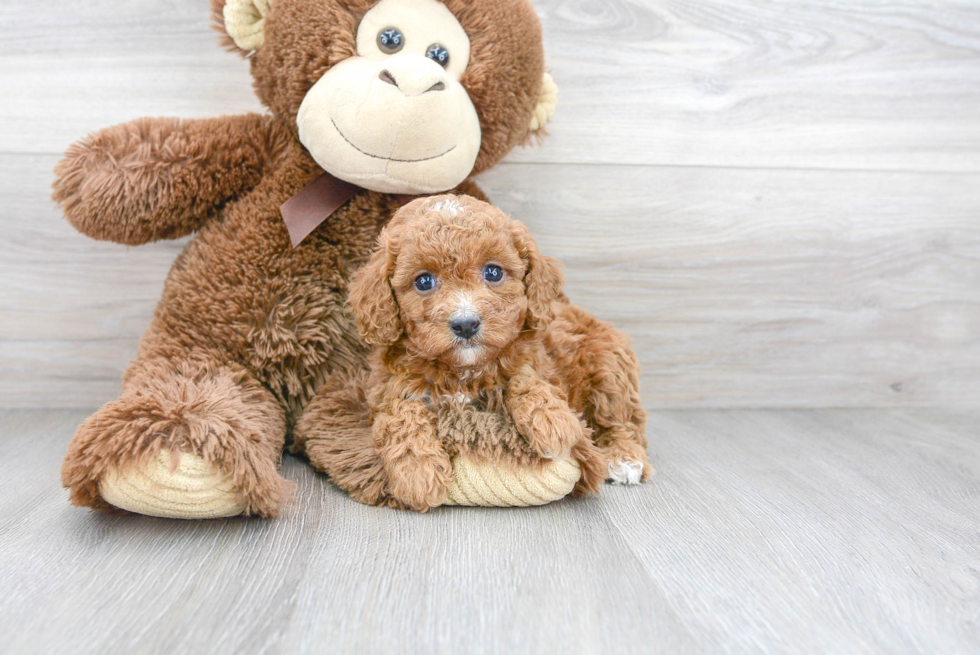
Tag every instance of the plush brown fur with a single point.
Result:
(219, 412)
(248, 327)
(536, 358)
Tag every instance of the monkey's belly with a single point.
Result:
(246, 296)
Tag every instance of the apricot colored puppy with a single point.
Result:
(462, 307)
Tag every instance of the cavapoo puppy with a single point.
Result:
(462, 307)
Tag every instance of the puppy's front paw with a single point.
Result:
(553, 432)
(419, 483)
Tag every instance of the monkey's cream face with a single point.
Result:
(395, 118)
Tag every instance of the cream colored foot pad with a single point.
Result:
(196, 491)
(193, 491)
(488, 484)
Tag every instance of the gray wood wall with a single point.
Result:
(780, 202)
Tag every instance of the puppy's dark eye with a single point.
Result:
(391, 40)
(438, 54)
(493, 273)
(425, 282)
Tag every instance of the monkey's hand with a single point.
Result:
(161, 178)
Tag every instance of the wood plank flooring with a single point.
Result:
(847, 531)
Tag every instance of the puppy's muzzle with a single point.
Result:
(465, 327)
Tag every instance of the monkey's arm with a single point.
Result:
(162, 178)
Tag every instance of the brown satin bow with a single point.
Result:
(314, 204)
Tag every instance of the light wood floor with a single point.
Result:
(809, 531)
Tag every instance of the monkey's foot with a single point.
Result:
(486, 483)
(194, 490)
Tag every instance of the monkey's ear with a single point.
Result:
(543, 279)
(242, 20)
(371, 299)
(545, 109)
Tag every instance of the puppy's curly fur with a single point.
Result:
(462, 308)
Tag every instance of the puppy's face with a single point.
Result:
(459, 283)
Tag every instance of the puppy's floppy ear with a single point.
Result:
(543, 278)
(371, 299)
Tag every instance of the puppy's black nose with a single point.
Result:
(465, 328)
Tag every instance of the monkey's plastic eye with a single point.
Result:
(425, 282)
(493, 273)
(438, 54)
(391, 40)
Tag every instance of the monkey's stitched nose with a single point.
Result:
(413, 75)
(465, 328)
(386, 76)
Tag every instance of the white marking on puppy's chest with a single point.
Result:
(457, 398)
(442, 399)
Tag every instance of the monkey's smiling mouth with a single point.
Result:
(405, 161)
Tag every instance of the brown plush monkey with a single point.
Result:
(390, 97)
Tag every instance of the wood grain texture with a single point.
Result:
(764, 531)
(740, 288)
(747, 288)
(865, 84)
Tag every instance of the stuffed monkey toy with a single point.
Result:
(368, 102)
